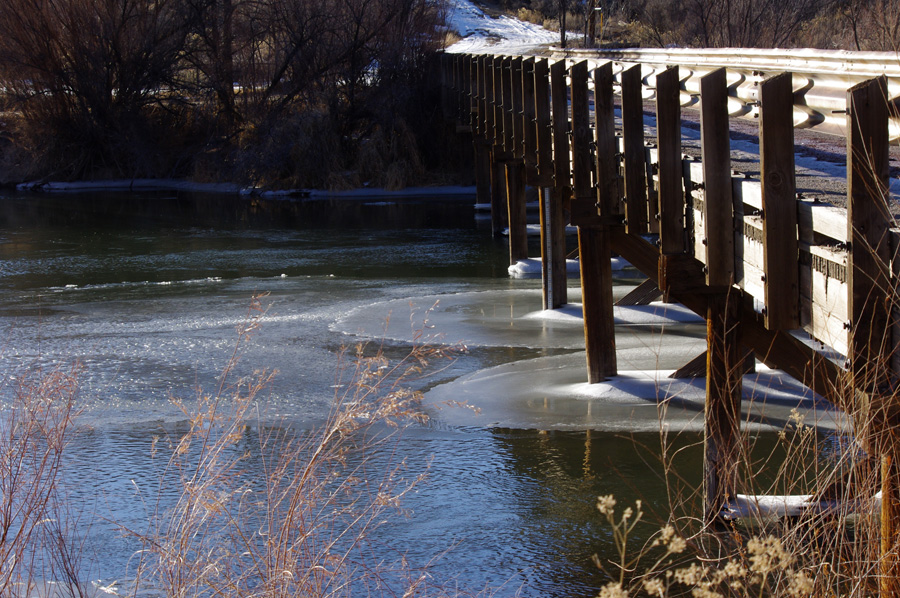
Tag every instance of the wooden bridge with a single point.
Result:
(807, 287)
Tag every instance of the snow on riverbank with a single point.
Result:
(483, 33)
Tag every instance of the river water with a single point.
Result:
(145, 291)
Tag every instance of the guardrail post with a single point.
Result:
(781, 252)
(559, 195)
(514, 170)
(671, 170)
(634, 154)
(482, 145)
(529, 121)
(724, 354)
(871, 345)
(553, 262)
(493, 131)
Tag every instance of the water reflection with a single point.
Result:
(146, 291)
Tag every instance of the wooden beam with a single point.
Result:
(499, 211)
(644, 294)
(718, 211)
(634, 156)
(671, 170)
(777, 349)
(594, 251)
(543, 123)
(482, 171)
(517, 108)
(529, 123)
(508, 137)
(559, 100)
(584, 200)
(868, 219)
(606, 145)
(723, 402)
(781, 252)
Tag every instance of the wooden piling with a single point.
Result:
(594, 252)
(499, 210)
(723, 402)
(723, 315)
(518, 225)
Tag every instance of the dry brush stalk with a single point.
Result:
(273, 511)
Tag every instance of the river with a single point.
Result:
(145, 292)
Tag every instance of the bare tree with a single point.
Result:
(88, 69)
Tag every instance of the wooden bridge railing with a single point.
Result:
(759, 263)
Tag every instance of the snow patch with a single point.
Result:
(483, 34)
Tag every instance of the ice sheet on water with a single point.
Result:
(552, 393)
(531, 267)
(500, 318)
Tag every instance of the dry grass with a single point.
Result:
(36, 423)
(284, 512)
(242, 509)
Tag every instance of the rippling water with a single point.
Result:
(146, 291)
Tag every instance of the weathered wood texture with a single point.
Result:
(584, 199)
(718, 211)
(868, 221)
(606, 146)
(635, 163)
(780, 242)
(543, 123)
(754, 260)
(670, 171)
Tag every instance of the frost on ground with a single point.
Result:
(483, 33)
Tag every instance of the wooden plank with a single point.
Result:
(518, 224)
(606, 144)
(594, 252)
(560, 104)
(518, 101)
(497, 83)
(644, 294)
(584, 201)
(490, 113)
(718, 211)
(635, 165)
(543, 124)
(529, 124)
(472, 90)
(781, 252)
(508, 136)
(868, 221)
(670, 171)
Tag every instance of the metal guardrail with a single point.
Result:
(821, 78)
